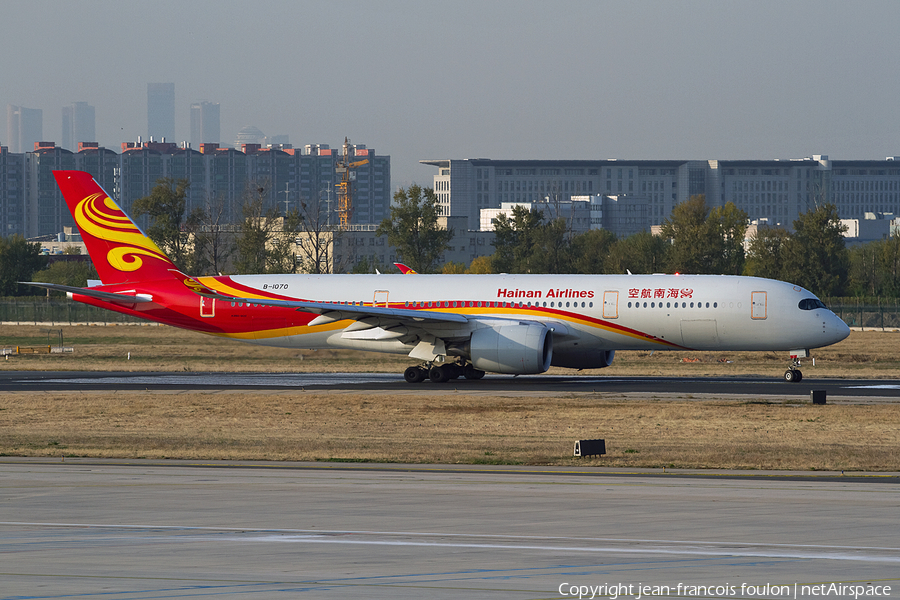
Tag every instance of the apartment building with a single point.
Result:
(220, 177)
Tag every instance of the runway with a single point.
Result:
(390, 382)
(94, 529)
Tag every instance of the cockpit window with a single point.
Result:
(811, 304)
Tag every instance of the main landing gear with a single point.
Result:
(441, 373)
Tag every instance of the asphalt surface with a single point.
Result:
(883, 390)
(100, 529)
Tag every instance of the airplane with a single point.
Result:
(454, 325)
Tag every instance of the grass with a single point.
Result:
(452, 429)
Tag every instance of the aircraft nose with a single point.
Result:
(835, 329)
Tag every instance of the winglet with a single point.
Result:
(404, 269)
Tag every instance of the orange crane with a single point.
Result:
(344, 169)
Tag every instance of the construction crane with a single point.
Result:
(344, 170)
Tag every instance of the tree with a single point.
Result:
(480, 265)
(768, 253)
(642, 252)
(591, 250)
(19, 259)
(517, 240)
(213, 241)
(552, 252)
(453, 268)
(67, 272)
(170, 228)
(728, 226)
(368, 264)
(875, 268)
(265, 243)
(705, 241)
(817, 257)
(315, 242)
(413, 228)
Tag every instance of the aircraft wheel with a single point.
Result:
(439, 374)
(415, 375)
(472, 373)
(793, 376)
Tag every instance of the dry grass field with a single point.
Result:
(452, 428)
(437, 424)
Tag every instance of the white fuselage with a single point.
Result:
(588, 313)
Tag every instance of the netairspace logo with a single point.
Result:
(613, 591)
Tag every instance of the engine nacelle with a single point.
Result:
(605, 359)
(514, 349)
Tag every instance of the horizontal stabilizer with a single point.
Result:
(120, 298)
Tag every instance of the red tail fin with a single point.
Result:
(120, 251)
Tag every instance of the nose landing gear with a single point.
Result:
(793, 374)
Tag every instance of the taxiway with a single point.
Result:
(95, 529)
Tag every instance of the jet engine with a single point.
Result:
(514, 349)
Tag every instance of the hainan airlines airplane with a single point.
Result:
(456, 325)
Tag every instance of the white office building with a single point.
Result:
(775, 190)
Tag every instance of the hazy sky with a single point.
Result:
(520, 79)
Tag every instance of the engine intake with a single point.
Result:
(514, 349)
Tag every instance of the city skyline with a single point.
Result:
(428, 80)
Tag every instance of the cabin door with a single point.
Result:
(207, 307)
(610, 305)
(758, 305)
(381, 298)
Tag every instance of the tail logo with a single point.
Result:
(99, 216)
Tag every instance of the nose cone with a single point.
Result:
(834, 328)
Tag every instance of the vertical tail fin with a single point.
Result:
(119, 250)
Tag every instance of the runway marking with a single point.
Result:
(873, 387)
(509, 542)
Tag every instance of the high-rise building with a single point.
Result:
(77, 125)
(24, 127)
(219, 178)
(161, 111)
(204, 123)
(45, 211)
(12, 193)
